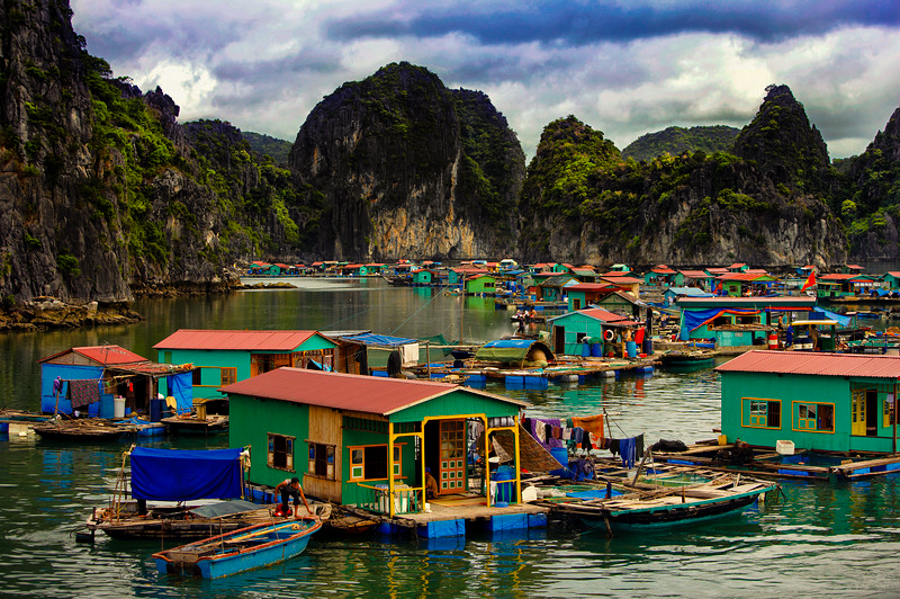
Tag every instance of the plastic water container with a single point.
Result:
(784, 447)
(156, 409)
(118, 407)
(631, 349)
(597, 350)
(560, 454)
(107, 407)
(647, 346)
(585, 350)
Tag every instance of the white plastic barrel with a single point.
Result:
(119, 407)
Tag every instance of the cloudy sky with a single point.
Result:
(625, 67)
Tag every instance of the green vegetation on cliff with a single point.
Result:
(677, 140)
(266, 145)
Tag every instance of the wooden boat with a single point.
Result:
(125, 520)
(241, 550)
(683, 505)
(192, 424)
(88, 429)
(396, 281)
(687, 359)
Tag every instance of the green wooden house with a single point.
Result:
(423, 276)
(819, 401)
(663, 276)
(844, 285)
(481, 285)
(366, 441)
(224, 357)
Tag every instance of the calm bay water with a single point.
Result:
(817, 539)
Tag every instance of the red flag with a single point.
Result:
(809, 282)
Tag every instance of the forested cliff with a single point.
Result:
(105, 195)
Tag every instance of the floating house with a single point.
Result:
(371, 352)
(663, 276)
(838, 285)
(746, 283)
(570, 332)
(585, 294)
(481, 285)
(366, 441)
(623, 303)
(673, 293)
(738, 321)
(697, 278)
(96, 378)
(220, 358)
(630, 285)
(554, 288)
(818, 401)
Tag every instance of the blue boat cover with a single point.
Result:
(844, 321)
(510, 343)
(373, 339)
(181, 475)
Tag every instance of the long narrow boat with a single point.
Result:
(683, 505)
(241, 550)
(86, 430)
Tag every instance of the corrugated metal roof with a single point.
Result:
(747, 302)
(622, 280)
(102, 354)
(815, 364)
(372, 394)
(235, 340)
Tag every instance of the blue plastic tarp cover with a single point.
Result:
(373, 339)
(844, 321)
(181, 475)
(181, 387)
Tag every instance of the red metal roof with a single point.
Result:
(235, 340)
(694, 274)
(622, 280)
(102, 354)
(606, 316)
(795, 362)
(375, 395)
(591, 287)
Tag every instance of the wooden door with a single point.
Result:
(452, 475)
(858, 408)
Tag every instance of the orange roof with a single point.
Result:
(375, 395)
(235, 340)
(694, 274)
(606, 316)
(622, 280)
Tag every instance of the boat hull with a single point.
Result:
(242, 550)
(676, 516)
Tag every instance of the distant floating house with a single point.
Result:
(663, 276)
(366, 441)
(673, 293)
(91, 378)
(737, 321)
(818, 401)
(223, 357)
(838, 285)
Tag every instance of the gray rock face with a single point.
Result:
(391, 159)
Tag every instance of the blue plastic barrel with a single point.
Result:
(156, 409)
(107, 406)
(631, 348)
(597, 350)
(648, 346)
(585, 350)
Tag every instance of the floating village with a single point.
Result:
(361, 432)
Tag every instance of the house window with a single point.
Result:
(760, 413)
(888, 419)
(369, 462)
(321, 460)
(281, 452)
(229, 376)
(579, 337)
(197, 377)
(576, 303)
(167, 357)
(815, 417)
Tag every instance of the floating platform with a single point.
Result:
(453, 515)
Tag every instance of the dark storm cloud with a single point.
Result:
(580, 23)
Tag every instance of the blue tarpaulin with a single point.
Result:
(694, 319)
(181, 387)
(182, 475)
(844, 321)
(373, 339)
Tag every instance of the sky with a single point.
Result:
(624, 67)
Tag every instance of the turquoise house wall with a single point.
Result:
(799, 388)
(209, 361)
(578, 323)
(250, 422)
(458, 402)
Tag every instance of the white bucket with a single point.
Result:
(118, 407)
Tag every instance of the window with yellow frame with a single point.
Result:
(888, 419)
(814, 417)
(369, 462)
(760, 413)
